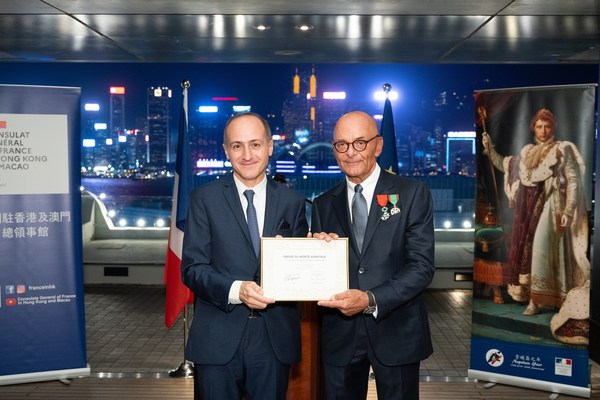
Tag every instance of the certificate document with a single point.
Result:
(303, 269)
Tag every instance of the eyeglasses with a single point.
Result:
(358, 145)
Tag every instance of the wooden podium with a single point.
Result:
(305, 382)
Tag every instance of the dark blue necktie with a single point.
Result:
(359, 216)
(252, 221)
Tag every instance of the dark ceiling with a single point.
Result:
(339, 31)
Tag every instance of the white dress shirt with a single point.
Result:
(260, 203)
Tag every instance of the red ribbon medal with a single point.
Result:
(382, 200)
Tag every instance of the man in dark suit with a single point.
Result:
(241, 343)
(381, 321)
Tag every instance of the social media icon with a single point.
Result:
(9, 289)
(21, 289)
(11, 301)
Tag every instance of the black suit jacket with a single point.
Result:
(216, 251)
(396, 264)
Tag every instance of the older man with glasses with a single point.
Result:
(381, 321)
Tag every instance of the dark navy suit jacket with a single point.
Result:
(396, 264)
(216, 251)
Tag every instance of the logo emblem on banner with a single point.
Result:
(563, 366)
(494, 357)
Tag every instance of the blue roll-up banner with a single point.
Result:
(531, 273)
(42, 321)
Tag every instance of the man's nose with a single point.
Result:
(246, 152)
(351, 151)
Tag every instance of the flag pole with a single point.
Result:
(388, 159)
(186, 368)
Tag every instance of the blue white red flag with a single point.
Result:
(177, 293)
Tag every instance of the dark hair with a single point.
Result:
(545, 115)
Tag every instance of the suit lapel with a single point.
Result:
(233, 201)
(383, 186)
(271, 208)
(342, 212)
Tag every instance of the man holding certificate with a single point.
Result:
(381, 321)
(242, 342)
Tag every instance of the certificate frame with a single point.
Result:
(303, 269)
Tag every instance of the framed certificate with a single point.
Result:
(303, 269)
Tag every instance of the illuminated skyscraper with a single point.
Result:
(312, 101)
(116, 125)
(206, 129)
(297, 117)
(132, 144)
(330, 108)
(159, 119)
(89, 118)
(460, 153)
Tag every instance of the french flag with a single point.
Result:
(177, 293)
(564, 361)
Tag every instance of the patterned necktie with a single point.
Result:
(252, 221)
(359, 216)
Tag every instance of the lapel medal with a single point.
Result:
(394, 200)
(382, 200)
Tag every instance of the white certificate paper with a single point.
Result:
(303, 269)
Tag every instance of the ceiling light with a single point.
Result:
(304, 27)
(288, 52)
(261, 27)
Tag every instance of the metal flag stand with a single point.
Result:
(186, 368)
